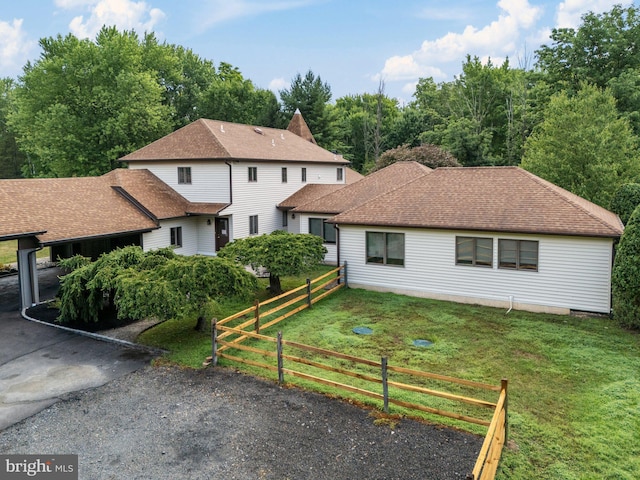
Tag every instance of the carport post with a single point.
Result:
(28, 275)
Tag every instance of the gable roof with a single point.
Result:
(64, 209)
(215, 139)
(371, 186)
(502, 199)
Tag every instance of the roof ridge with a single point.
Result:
(403, 185)
(568, 198)
(206, 123)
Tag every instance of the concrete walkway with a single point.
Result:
(40, 364)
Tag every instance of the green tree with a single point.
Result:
(158, 284)
(11, 159)
(365, 121)
(430, 155)
(625, 280)
(584, 146)
(232, 98)
(625, 201)
(604, 51)
(281, 253)
(83, 105)
(311, 96)
(482, 116)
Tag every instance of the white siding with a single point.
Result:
(573, 272)
(206, 240)
(209, 180)
(261, 197)
(162, 237)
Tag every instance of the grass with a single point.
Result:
(8, 252)
(574, 383)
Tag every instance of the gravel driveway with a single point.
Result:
(172, 423)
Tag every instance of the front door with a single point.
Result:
(222, 232)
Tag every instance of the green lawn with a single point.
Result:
(574, 383)
(8, 252)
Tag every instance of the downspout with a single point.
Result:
(335, 225)
(510, 304)
(230, 182)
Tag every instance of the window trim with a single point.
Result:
(385, 253)
(252, 174)
(518, 255)
(175, 239)
(474, 252)
(184, 175)
(326, 227)
(253, 225)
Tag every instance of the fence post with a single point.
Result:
(280, 363)
(346, 283)
(385, 385)
(256, 326)
(214, 342)
(504, 385)
(308, 293)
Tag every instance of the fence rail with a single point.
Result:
(226, 337)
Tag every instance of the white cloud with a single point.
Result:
(124, 14)
(278, 84)
(220, 11)
(497, 40)
(569, 13)
(14, 46)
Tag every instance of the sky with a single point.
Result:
(353, 45)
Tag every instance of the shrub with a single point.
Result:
(625, 201)
(626, 275)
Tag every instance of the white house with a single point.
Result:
(493, 235)
(497, 236)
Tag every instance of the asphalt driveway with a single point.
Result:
(39, 364)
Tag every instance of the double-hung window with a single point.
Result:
(518, 254)
(476, 251)
(253, 225)
(339, 174)
(184, 175)
(317, 226)
(176, 236)
(385, 248)
(304, 174)
(253, 174)
(284, 174)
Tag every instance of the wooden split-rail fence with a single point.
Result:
(362, 372)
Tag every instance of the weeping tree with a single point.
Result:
(280, 252)
(156, 284)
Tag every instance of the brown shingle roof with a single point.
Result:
(214, 139)
(298, 126)
(368, 187)
(67, 208)
(118, 202)
(313, 191)
(503, 199)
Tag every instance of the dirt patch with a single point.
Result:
(167, 423)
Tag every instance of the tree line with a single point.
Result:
(572, 116)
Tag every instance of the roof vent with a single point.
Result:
(258, 131)
(222, 128)
(282, 136)
(273, 142)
